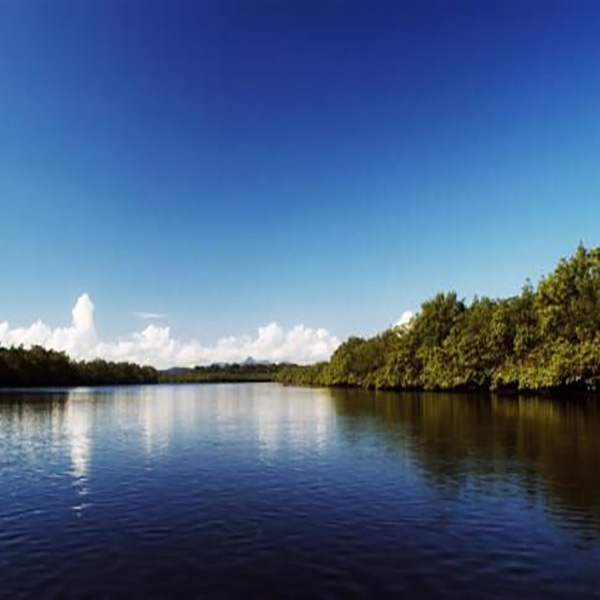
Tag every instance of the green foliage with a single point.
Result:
(40, 367)
(222, 373)
(547, 338)
(308, 375)
(36, 367)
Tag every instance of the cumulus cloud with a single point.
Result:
(148, 316)
(78, 339)
(155, 345)
(405, 319)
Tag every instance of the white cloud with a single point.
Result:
(405, 319)
(148, 316)
(155, 346)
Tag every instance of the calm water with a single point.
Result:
(262, 491)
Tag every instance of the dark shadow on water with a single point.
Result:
(548, 448)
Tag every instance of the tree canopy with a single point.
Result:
(544, 338)
(37, 366)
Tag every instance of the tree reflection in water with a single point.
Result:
(543, 448)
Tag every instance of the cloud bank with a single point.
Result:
(155, 346)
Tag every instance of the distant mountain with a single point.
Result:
(252, 361)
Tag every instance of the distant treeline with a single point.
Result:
(222, 373)
(37, 367)
(547, 338)
(40, 367)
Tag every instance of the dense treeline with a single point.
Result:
(545, 338)
(222, 373)
(40, 367)
(35, 367)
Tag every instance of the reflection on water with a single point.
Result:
(156, 418)
(284, 420)
(548, 447)
(172, 489)
(76, 423)
(545, 447)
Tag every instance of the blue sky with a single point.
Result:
(331, 163)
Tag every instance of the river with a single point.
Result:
(260, 490)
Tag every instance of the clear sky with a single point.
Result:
(228, 164)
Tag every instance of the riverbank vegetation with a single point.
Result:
(20, 367)
(223, 373)
(548, 337)
(38, 367)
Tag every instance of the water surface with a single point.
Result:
(259, 490)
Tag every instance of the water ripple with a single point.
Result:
(257, 490)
